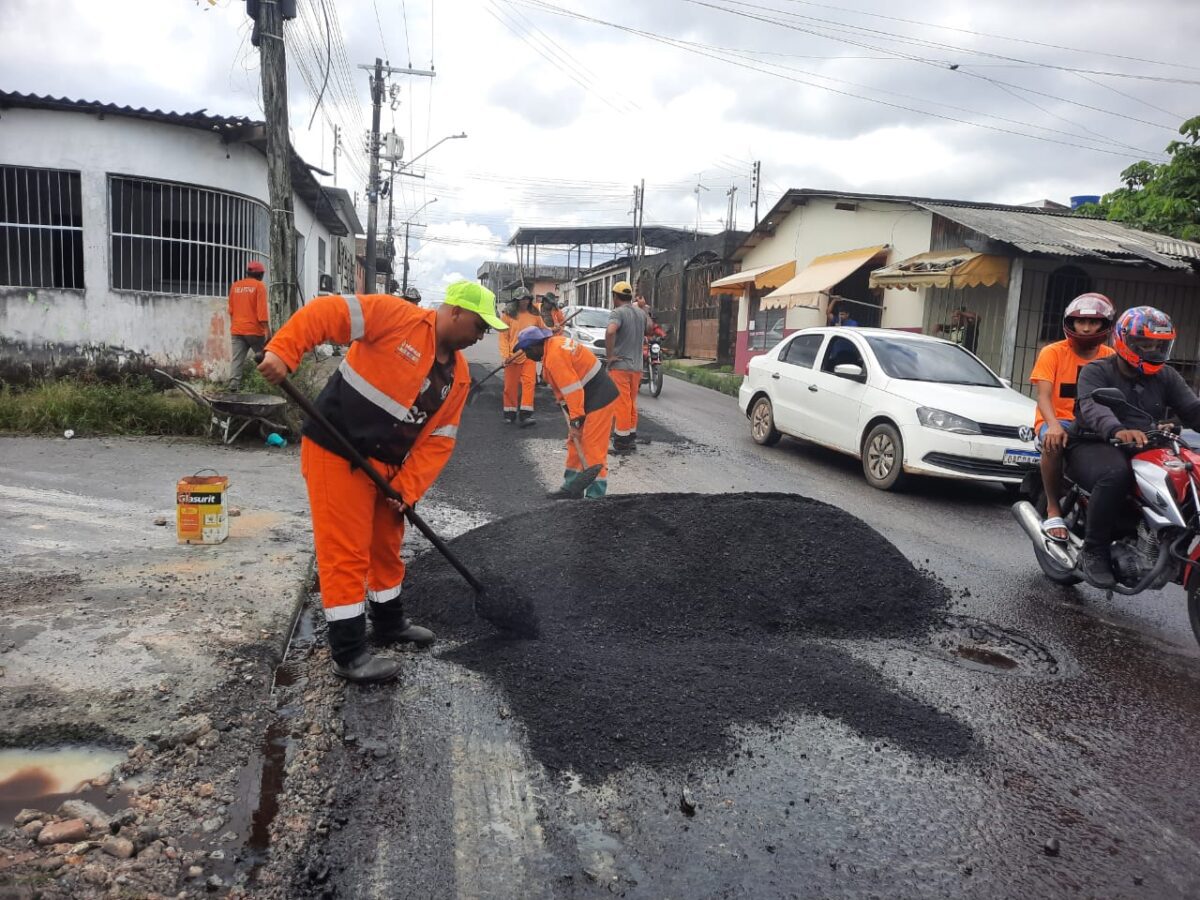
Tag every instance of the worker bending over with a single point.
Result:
(398, 397)
(581, 385)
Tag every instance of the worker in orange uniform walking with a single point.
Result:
(398, 396)
(520, 375)
(581, 385)
(623, 340)
(249, 320)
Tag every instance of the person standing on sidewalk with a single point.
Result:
(398, 397)
(520, 376)
(249, 320)
(623, 341)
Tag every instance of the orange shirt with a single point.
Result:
(1058, 364)
(248, 307)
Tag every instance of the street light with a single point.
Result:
(453, 137)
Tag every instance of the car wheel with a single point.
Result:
(762, 423)
(883, 457)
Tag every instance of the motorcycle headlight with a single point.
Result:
(944, 421)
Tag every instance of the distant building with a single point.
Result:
(121, 230)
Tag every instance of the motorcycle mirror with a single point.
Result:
(1109, 397)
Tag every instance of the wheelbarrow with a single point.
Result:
(231, 414)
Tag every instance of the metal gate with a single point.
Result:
(664, 297)
(701, 311)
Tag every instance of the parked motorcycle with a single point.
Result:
(652, 358)
(1157, 540)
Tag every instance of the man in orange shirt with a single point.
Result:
(249, 321)
(398, 397)
(1087, 324)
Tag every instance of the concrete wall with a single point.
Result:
(185, 332)
(817, 228)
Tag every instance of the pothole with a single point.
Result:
(45, 776)
(984, 647)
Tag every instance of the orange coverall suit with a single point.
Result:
(520, 378)
(578, 379)
(370, 398)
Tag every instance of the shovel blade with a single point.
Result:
(573, 490)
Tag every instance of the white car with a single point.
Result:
(588, 327)
(901, 402)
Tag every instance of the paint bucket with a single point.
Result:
(201, 513)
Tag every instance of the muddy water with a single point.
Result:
(34, 777)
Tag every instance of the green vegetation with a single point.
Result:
(718, 379)
(1159, 197)
(133, 406)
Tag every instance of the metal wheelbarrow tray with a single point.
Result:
(231, 414)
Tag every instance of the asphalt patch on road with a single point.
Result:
(664, 619)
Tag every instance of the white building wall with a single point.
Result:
(187, 332)
(818, 228)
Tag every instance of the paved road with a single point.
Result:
(1084, 710)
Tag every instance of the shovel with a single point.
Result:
(574, 488)
(518, 617)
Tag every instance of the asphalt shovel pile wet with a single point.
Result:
(663, 620)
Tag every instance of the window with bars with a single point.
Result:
(41, 228)
(169, 238)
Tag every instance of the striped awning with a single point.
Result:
(761, 277)
(960, 268)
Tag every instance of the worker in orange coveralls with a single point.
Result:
(520, 375)
(581, 385)
(552, 315)
(249, 321)
(398, 396)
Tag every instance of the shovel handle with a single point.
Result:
(380, 482)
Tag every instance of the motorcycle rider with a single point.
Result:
(1143, 338)
(1087, 323)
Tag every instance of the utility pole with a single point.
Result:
(336, 147)
(699, 187)
(282, 275)
(639, 218)
(755, 181)
(731, 212)
(373, 185)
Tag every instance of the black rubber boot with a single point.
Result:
(351, 659)
(1096, 567)
(389, 625)
(510, 417)
(525, 417)
(622, 446)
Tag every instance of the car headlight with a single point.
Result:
(944, 421)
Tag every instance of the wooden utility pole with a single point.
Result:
(281, 270)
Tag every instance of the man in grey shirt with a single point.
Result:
(623, 340)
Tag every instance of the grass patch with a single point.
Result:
(134, 406)
(725, 382)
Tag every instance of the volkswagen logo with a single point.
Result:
(1025, 433)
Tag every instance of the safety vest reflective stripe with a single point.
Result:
(370, 392)
(357, 326)
(592, 372)
(573, 386)
(447, 431)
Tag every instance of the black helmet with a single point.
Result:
(412, 294)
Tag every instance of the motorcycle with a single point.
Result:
(1157, 540)
(652, 373)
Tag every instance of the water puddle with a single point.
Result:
(43, 777)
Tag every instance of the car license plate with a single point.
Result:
(1021, 457)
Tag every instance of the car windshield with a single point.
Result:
(591, 318)
(941, 363)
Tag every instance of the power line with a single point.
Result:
(407, 42)
(382, 39)
(673, 42)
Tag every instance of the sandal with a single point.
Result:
(1055, 524)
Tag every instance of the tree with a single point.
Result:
(1160, 197)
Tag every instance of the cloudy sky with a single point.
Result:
(568, 104)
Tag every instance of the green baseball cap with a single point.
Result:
(477, 299)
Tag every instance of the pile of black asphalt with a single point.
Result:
(664, 620)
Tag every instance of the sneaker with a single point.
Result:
(1096, 568)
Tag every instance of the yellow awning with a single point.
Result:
(761, 277)
(960, 268)
(822, 274)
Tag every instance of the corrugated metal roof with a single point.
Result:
(229, 128)
(1052, 233)
(658, 236)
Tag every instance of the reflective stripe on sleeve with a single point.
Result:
(449, 431)
(357, 325)
(371, 393)
(573, 386)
